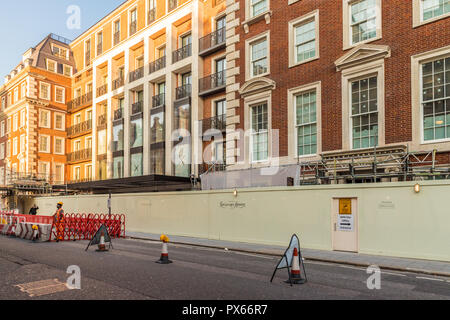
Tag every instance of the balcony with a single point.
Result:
(213, 83)
(212, 167)
(116, 38)
(102, 90)
(173, 4)
(136, 74)
(212, 42)
(183, 92)
(118, 114)
(81, 155)
(101, 122)
(158, 64)
(80, 102)
(133, 28)
(100, 48)
(79, 129)
(151, 15)
(137, 107)
(158, 100)
(119, 82)
(182, 53)
(214, 123)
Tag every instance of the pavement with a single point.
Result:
(429, 267)
(129, 272)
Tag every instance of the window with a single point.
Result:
(99, 43)
(23, 113)
(59, 145)
(77, 173)
(364, 113)
(306, 123)
(3, 128)
(363, 23)
(87, 51)
(77, 145)
(2, 151)
(118, 167)
(257, 7)
(15, 122)
(89, 172)
(23, 90)
(44, 144)
(22, 143)
(67, 70)
(44, 118)
(136, 133)
(59, 121)
(44, 91)
(15, 146)
(434, 8)
(116, 34)
(258, 58)
(59, 173)
(436, 99)
(136, 165)
(102, 145)
(186, 40)
(51, 65)
(60, 95)
(304, 38)
(3, 103)
(133, 22)
(8, 125)
(259, 137)
(16, 95)
(61, 52)
(44, 169)
(8, 148)
(118, 138)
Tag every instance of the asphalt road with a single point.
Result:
(130, 272)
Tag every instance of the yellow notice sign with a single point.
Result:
(345, 206)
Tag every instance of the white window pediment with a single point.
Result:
(362, 54)
(257, 85)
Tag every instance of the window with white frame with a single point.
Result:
(15, 146)
(22, 143)
(2, 176)
(3, 128)
(60, 94)
(363, 20)
(59, 121)
(260, 133)
(51, 65)
(436, 99)
(44, 144)
(258, 57)
(77, 173)
(23, 90)
(257, 7)
(2, 151)
(8, 125)
(23, 114)
(44, 169)
(15, 122)
(305, 40)
(59, 145)
(8, 148)
(434, 8)
(16, 95)
(67, 70)
(44, 118)
(306, 123)
(59, 173)
(364, 112)
(44, 91)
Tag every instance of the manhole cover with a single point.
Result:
(42, 288)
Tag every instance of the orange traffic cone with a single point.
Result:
(165, 253)
(102, 245)
(296, 276)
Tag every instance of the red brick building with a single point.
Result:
(338, 79)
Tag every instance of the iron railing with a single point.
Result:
(102, 90)
(158, 100)
(80, 155)
(212, 82)
(118, 114)
(158, 64)
(183, 91)
(101, 122)
(216, 123)
(80, 128)
(212, 40)
(182, 53)
(119, 82)
(80, 101)
(136, 74)
(137, 107)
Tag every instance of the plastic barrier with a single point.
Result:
(77, 226)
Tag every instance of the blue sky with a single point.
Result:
(23, 23)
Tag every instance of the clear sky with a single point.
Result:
(24, 23)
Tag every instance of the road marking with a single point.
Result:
(432, 279)
(253, 255)
(393, 274)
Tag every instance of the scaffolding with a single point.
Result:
(375, 165)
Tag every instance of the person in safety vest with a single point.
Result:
(58, 217)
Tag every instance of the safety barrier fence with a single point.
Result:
(72, 227)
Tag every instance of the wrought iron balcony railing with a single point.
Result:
(118, 114)
(136, 74)
(182, 53)
(102, 90)
(101, 122)
(81, 155)
(215, 123)
(80, 101)
(212, 83)
(183, 91)
(119, 82)
(137, 107)
(151, 15)
(79, 128)
(158, 100)
(213, 41)
(158, 64)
